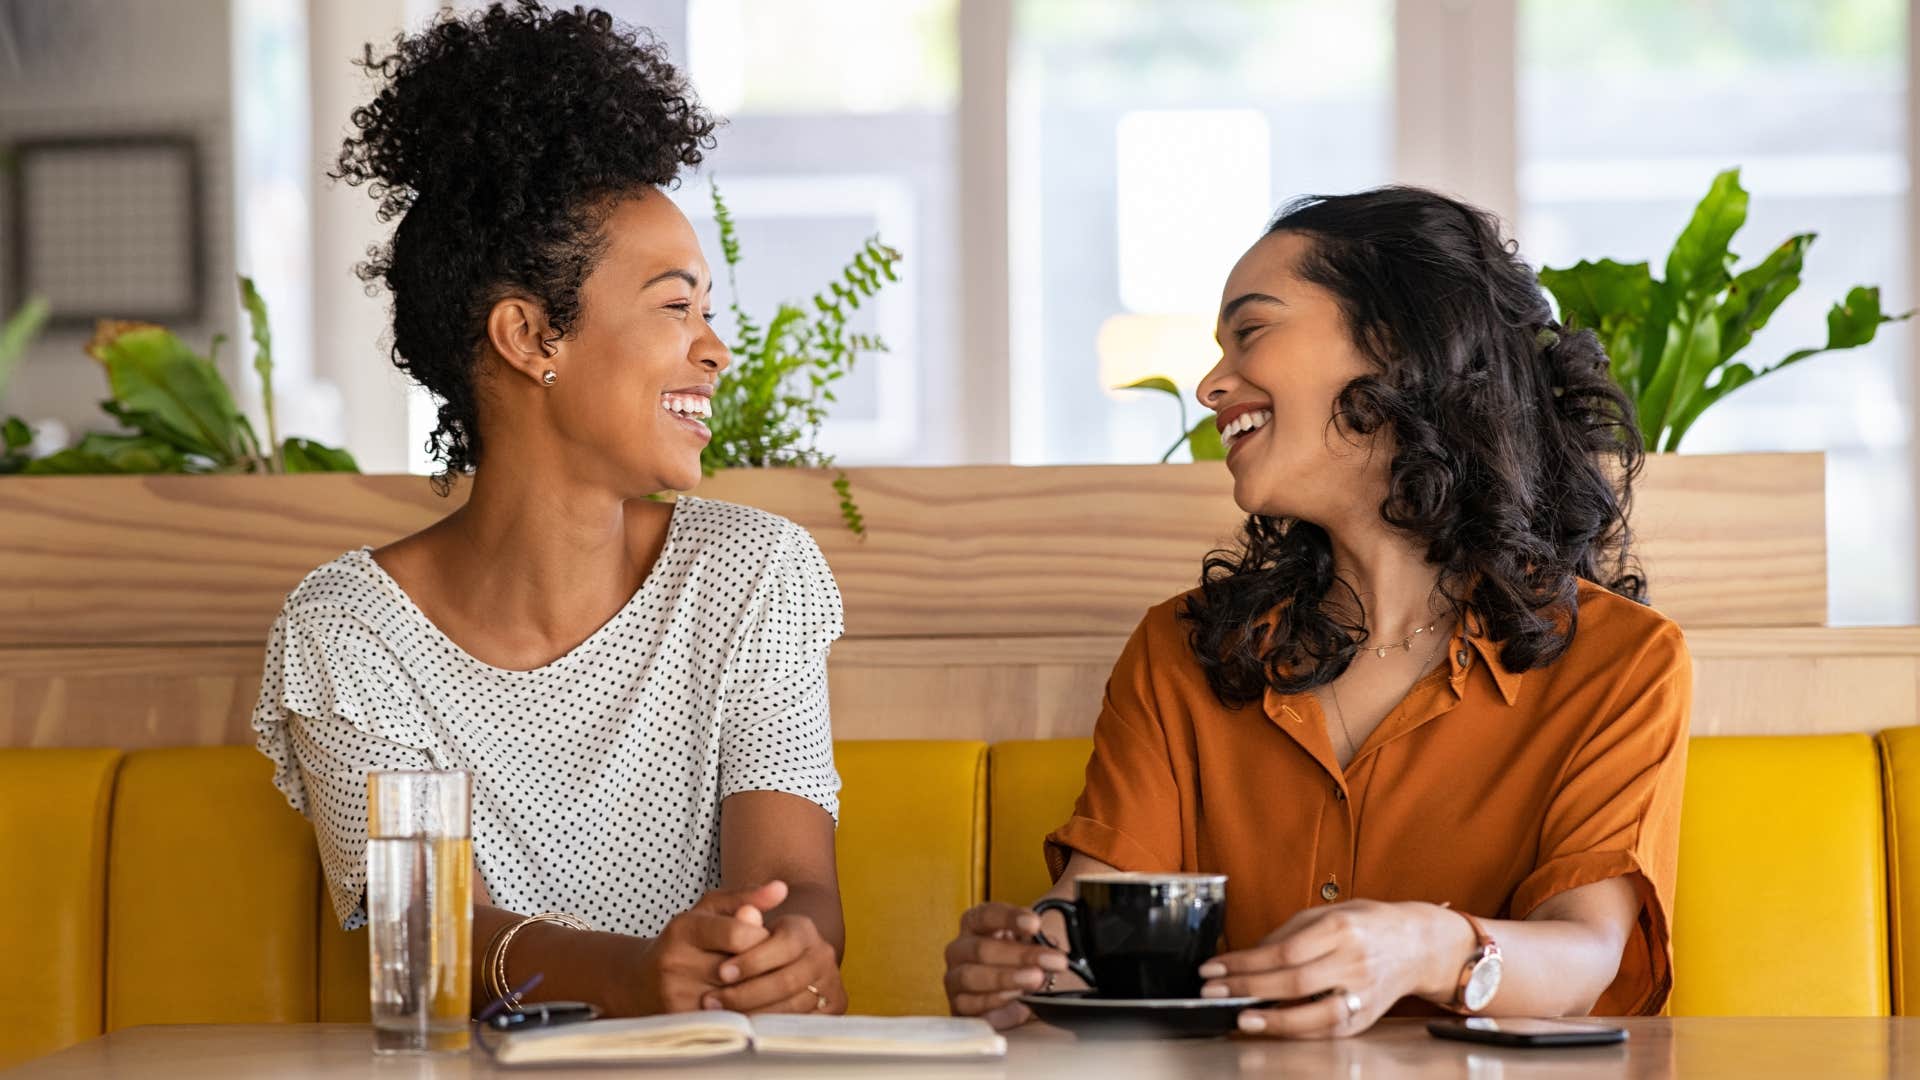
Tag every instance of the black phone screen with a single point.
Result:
(1527, 1031)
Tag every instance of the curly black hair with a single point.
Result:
(1514, 452)
(500, 140)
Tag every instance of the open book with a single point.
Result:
(696, 1036)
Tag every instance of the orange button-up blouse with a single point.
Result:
(1487, 788)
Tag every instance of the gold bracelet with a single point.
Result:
(494, 960)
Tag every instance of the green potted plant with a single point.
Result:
(1673, 343)
(175, 411)
(771, 401)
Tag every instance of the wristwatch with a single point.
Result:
(1480, 977)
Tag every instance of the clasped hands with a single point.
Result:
(725, 953)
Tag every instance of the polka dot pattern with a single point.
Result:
(597, 778)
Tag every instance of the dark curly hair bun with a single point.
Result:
(498, 139)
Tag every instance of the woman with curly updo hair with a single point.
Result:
(637, 687)
(1420, 717)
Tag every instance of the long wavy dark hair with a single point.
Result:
(1514, 452)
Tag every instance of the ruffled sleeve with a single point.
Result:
(776, 733)
(335, 705)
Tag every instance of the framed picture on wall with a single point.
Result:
(107, 227)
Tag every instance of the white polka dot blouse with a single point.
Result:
(597, 779)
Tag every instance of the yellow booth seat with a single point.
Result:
(175, 886)
(1900, 769)
(1781, 906)
(54, 808)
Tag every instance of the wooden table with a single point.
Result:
(1396, 1049)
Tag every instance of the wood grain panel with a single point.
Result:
(1754, 681)
(951, 552)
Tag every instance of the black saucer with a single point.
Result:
(1090, 1017)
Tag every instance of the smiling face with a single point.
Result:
(1286, 354)
(634, 380)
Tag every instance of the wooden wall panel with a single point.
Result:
(955, 552)
(1757, 681)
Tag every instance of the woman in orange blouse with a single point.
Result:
(1421, 716)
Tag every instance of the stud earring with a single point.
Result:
(550, 377)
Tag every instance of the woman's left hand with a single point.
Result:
(790, 972)
(1362, 955)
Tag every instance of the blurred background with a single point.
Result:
(1069, 180)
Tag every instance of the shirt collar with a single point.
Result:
(1471, 639)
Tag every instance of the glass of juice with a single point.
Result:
(420, 909)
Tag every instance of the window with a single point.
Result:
(840, 125)
(1150, 143)
(1628, 109)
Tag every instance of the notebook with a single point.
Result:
(703, 1035)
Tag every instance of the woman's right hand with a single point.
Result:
(994, 961)
(682, 965)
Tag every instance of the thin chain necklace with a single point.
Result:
(1333, 691)
(1406, 643)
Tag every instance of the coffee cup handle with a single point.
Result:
(1076, 947)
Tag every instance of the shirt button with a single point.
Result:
(1330, 892)
(1340, 794)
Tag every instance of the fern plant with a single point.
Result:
(771, 401)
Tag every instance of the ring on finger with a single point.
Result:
(820, 999)
(1353, 1003)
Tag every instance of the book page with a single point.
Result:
(880, 1036)
(677, 1037)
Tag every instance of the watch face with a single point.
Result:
(1482, 984)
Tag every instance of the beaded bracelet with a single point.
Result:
(494, 960)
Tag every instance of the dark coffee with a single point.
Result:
(1143, 935)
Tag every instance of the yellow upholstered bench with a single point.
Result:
(1781, 906)
(54, 811)
(169, 886)
(176, 886)
(1900, 770)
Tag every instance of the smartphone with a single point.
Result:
(543, 1014)
(1523, 1031)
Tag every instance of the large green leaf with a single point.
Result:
(1153, 382)
(1664, 341)
(1755, 294)
(15, 434)
(1697, 266)
(1850, 324)
(1595, 294)
(111, 454)
(262, 354)
(1611, 299)
(307, 456)
(1698, 356)
(1732, 377)
(154, 375)
(18, 330)
(1203, 441)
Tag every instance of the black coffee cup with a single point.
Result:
(1143, 935)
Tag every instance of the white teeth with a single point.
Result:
(692, 406)
(1245, 424)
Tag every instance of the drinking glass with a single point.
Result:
(419, 909)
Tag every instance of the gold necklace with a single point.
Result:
(1406, 643)
(1333, 692)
